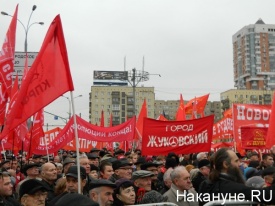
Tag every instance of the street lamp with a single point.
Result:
(70, 104)
(26, 28)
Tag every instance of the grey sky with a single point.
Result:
(188, 42)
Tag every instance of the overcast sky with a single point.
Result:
(188, 42)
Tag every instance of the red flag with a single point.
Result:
(111, 120)
(270, 137)
(6, 65)
(102, 119)
(161, 117)
(194, 110)
(200, 104)
(48, 78)
(181, 111)
(228, 113)
(7, 54)
(142, 114)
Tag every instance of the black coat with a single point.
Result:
(198, 179)
(225, 186)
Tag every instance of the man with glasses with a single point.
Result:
(122, 169)
(33, 193)
(181, 185)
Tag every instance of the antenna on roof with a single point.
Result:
(143, 63)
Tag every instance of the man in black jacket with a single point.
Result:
(204, 170)
(226, 182)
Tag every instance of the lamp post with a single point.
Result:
(70, 103)
(26, 28)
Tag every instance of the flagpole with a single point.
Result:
(76, 144)
(46, 148)
(3, 150)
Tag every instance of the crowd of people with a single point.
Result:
(127, 178)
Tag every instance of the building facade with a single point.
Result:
(170, 107)
(254, 57)
(120, 102)
(241, 96)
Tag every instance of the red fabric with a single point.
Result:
(228, 113)
(36, 131)
(223, 133)
(6, 65)
(7, 54)
(162, 118)
(48, 78)
(248, 115)
(91, 136)
(139, 125)
(180, 137)
(102, 119)
(253, 137)
(200, 104)
(180, 115)
(194, 110)
(270, 136)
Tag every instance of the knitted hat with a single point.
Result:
(256, 182)
(153, 197)
(72, 199)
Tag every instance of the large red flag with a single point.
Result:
(48, 78)
(181, 111)
(7, 54)
(139, 125)
(270, 137)
(6, 65)
(200, 104)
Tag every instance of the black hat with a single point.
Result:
(31, 186)
(121, 181)
(203, 163)
(254, 164)
(68, 160)
(140, 160)
(153, 197)
(251, 172)
(28, 166)
(94, 150)
(145, 165)
(93, 167)
(92, 156)
(4, 162)
(170, 162)
(141, 173)
(120, 151)
(72, 199)
(100, 183)
(120, 163)
(36, 156)
(268, 171)
(254, 154)
(72, 171)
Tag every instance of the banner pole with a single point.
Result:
(46, 148)
(76, 144)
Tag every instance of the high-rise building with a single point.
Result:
(119, 100)
(254, 57)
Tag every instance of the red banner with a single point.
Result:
(89, 135)
(180, 137)
(223, 133)
(253, 137)
(249, 114)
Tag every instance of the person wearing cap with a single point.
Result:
(122, 169)
(31, 171)
(124, 194)
(5, 164)
(33, 193)
(119, 152)
(6, 190)
(157, 184)
(94, 171)
(73, 199)
(93, 159)
(105, 170)
(37, 158)
(254, 156)
(268, 176)
(203, 173)
(68, 162)
(94, 151)
(142, 182)
(49, 177)
(140, 161)
(101, 191)
(181, 185)
(71, 183)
